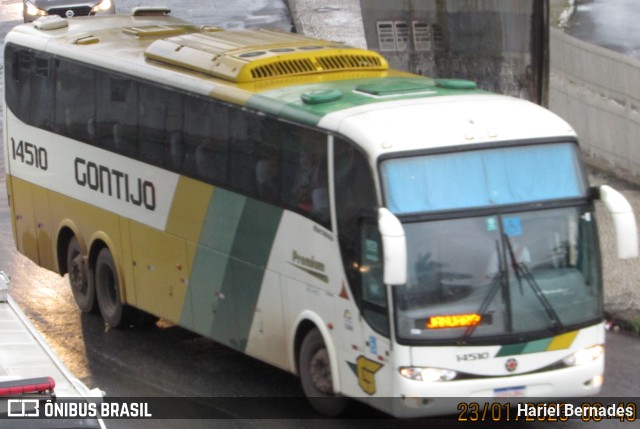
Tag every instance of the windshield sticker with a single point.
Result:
(372, 250)
(492, 224)
(512, 226)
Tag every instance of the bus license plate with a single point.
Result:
(510, 392)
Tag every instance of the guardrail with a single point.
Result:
(598, 92)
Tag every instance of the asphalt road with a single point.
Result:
(165, 360)
(612, 24)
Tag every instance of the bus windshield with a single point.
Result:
(481, 178)
(516, 274)
(497, 271)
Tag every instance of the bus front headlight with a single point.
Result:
(427, 374)
(32, 10)
(103, 6)
(584, 356)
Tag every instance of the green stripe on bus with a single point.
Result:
(287, 101)
(512, 349)
(536, 346)
(249, 257)
(559, 342)
(211, 260)
(221, 223)
(228, 270)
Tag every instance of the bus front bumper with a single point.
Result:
(422, 399)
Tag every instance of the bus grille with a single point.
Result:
(283, 68)
(77, 11)
(326, 63)
(342, 62)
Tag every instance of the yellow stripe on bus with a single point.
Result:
(190, 204)
(563, 341)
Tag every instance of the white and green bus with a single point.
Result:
(385, 236)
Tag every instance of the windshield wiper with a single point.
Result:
(522, 271)
(497, 282)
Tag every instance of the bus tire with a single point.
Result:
(315, 376)
(107, 285)
(84, 291)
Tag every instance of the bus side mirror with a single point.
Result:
(624, 221)
(394, 248)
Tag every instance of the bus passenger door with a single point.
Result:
(374, 369)
(365, 322)
(365, 370)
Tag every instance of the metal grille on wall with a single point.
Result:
(501, 44)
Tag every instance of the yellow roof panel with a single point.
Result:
(257, 54)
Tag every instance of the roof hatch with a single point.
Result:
(150, 11)
(258, 54)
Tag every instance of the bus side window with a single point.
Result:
(117, 105)
(355, 198)
(75, 110)
(246, 130)
(205, 140)
(151, 116)
(12, 77)
(268, 167)
(19, 63)
(42, 86)
(304, 173)
(173, 121)
(176, 151)
(212, 156)
(319, 182)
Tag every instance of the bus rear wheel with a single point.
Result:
(84, 292)
(113, 311)
(315, 376)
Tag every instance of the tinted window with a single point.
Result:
(160, 120)
(75, 112)
(225, 145)
(19, 64)
(246, 132)
(358, 235)
(42, 108)
(117, 113)
(355, 194)
(205, 140)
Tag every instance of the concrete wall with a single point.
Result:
(598, 92)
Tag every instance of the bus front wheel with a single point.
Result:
(108, 290)
(315, 375)
(84, 292)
